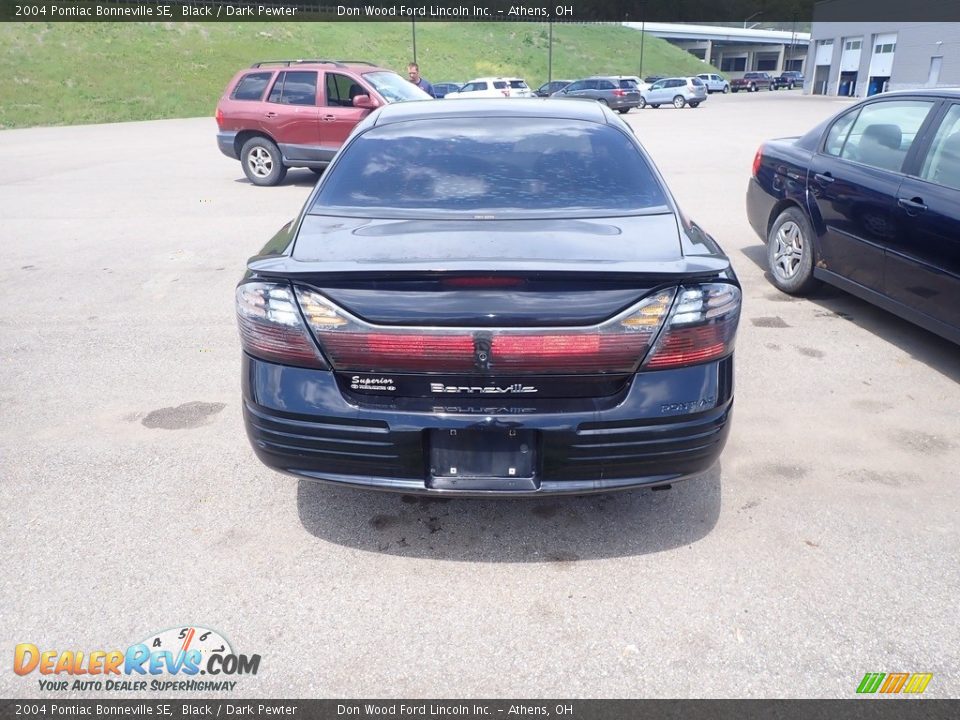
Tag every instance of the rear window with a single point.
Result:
(251, 86)
(628, 84)
(697, 82)
(501, 168)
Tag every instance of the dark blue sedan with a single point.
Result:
(869, 201)
(494, 297)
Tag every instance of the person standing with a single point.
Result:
(413, 72)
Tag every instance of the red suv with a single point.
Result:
(297, 113)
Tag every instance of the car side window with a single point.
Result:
(294, 88)
(578, 85)
(591, 85)
(883, 132)
(251, 86)
(341, 89)
(942, 164)
(837, 134)
(659, 85)
(605, 85)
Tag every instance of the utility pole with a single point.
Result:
(413, 24)
(550, 54)
(643, 33)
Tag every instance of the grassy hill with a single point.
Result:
(71, 73)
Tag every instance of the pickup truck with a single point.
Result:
(752, 82)
(789, 79)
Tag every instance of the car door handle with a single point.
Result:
(824, 178)
(913, 205)
(271, 114)
(329, 118)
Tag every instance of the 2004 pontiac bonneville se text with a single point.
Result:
(490, 298)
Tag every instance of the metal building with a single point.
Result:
(858, 59)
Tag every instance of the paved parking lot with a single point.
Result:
(823, 546)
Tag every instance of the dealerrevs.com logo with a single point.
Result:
(188, 659)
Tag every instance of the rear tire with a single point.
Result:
(262, 162)
(773, 87)
(753, 87)
(318, 171)
(734, 90)
(790, 253)
(726, 89)
(623, 111)
(642, 104)
(603, 102)
(694, 104)
(655, 106)
(679, 102)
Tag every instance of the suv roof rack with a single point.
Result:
(288, 63)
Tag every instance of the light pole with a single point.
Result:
(550, 54)
(413, 24)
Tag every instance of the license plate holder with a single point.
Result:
(487, 453)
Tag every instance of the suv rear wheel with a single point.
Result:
(262, 162)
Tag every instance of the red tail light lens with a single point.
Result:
(614, 346)
(271, 327)
(701, 327)
(757, 161)
(619, 93)
(219, 118)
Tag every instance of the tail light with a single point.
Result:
(701, 327)
(757, 161)
(219, 118)
(506, 92)
(619, 93)
(614, 346)
(271, 326)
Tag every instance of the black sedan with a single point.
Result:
(549, 88)
(498, 297)
(869, 201)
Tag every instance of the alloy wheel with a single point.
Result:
(788, 251)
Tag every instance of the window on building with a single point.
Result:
(733, 64)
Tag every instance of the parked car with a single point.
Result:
(297, 113)
(464, 312)
(491, 87)
(869, 201)
(441, 89)
(620, 95)
(789, 79)
(753, 82)
(651, 79)
(549, 88)
(641, 85)
(674, 91)
(715, 83)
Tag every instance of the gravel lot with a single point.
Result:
(823, 546)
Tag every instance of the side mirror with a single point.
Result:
(366, 102)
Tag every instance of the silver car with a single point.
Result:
(715, 83)
(677, 91)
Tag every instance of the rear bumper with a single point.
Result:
(226, 141)
(664, 427)
(759, 207)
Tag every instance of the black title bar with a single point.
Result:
(705, 11)
(860, 709)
